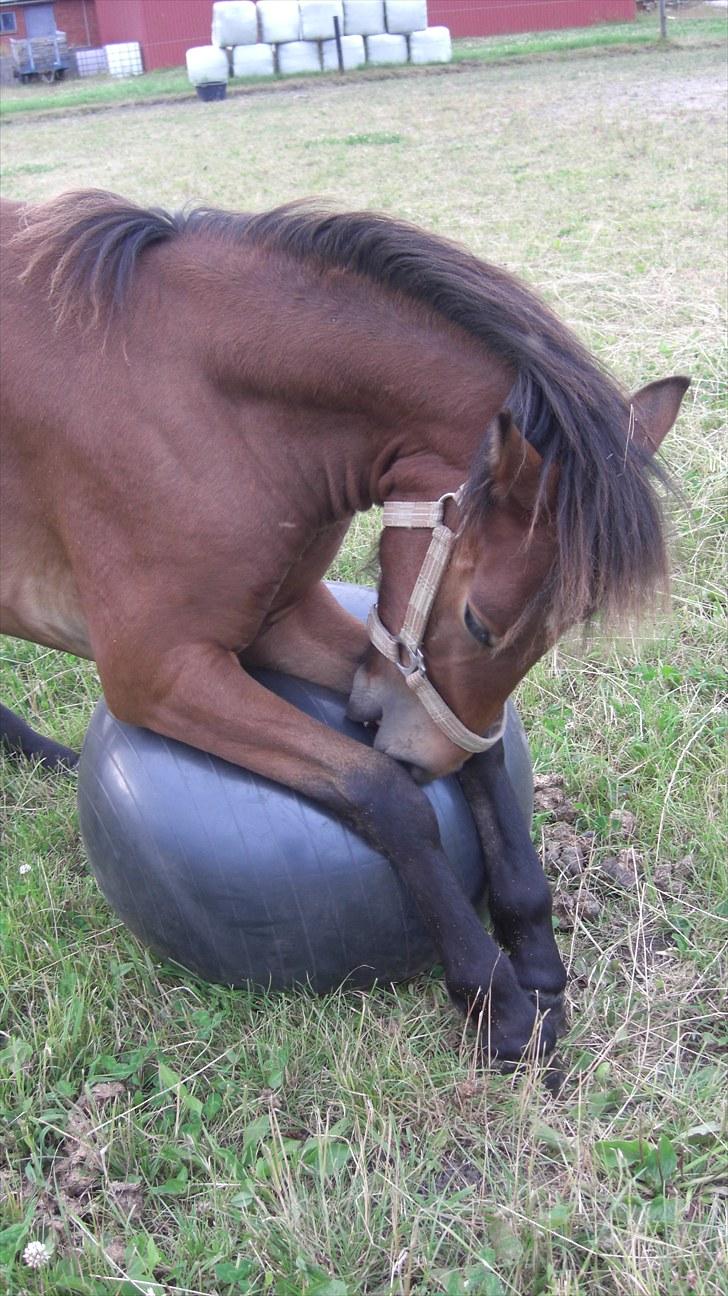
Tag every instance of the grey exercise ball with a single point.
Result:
(241, 880)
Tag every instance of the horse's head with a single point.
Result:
(493, 613)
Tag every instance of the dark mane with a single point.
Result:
(611, 552)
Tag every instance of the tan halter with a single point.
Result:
(405, 648)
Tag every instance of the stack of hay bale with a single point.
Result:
(293, 36)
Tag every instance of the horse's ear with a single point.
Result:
(515, 467)
(656, 407)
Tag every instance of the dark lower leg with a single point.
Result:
(519, 896)
(19, 739)
(394, 816)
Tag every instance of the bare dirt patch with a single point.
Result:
(79, 1177)
(701, 94)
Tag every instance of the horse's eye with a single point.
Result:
(477, 629)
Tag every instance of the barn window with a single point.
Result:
(8, 22)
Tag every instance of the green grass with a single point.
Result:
(350, 1146)
(173, 82)
(645, 30)
(94, 92)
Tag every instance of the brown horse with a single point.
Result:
(195, 406)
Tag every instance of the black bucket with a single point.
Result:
(213, 90)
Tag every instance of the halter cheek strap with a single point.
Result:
(405, 649)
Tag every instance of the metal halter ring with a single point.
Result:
(416, 659)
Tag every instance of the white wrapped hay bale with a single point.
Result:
(299, 56)
(431, 46)
(253, 61)
(317, 18)
(386, 49)
(364, 17)
(353, 52)
(234, 22)
(280, 20)
(405, 16)
(206, 65)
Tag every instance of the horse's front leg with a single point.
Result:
(198, 694)
(519, 897)
(315, 639)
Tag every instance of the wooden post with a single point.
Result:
(339, 50)
(663, 19)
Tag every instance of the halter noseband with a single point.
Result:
(405, 648)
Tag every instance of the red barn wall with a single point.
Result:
(496, 17)
(120, 20)
(77, 18)
(165, 29)
(172, 26)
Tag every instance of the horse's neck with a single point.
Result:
(393, 394)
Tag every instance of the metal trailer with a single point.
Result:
(42, 57)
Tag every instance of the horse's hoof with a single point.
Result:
(58, 760)
(553, 1079)
(47, 759)
(507, 1049)
(552, 1007)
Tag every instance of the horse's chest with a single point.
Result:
(43, 605)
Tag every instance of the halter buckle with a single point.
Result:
(456, 495)
(413, 662)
